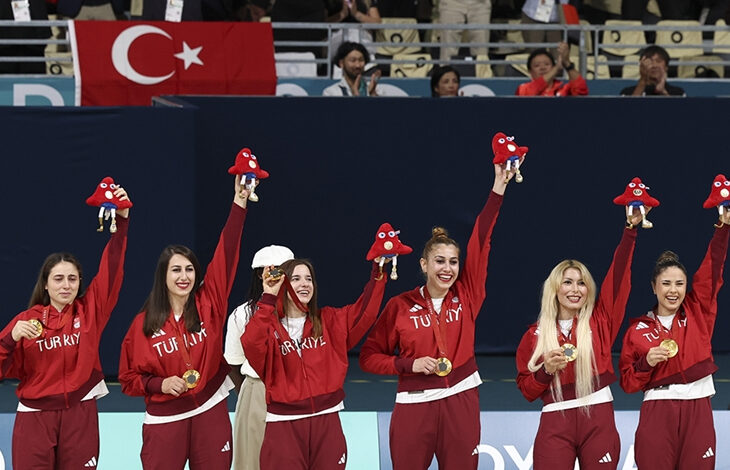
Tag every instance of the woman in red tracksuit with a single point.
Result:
(432, 327)
(300, 352)
(173, 354)
(565, 359)
(53, 348)
(667, 353)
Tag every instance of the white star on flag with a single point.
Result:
(190, 56)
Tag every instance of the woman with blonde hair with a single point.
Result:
(565, 359)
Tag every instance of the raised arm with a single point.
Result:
(103, 290)
(221, 272)
(707, 281)
(377, 355)
(362, 314)
(474, 273)
(257, 338)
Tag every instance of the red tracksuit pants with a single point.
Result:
(449, 428)
(57, 439)
(567, 434)
(675, 434)
(315, 443)
(205, 440)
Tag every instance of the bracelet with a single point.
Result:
(544, 369)
(629, 225)
(721, 224)
(569, 67)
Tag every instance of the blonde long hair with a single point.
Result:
(585, 364)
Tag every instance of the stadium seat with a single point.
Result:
(591, 73)
(692, 71)
(416, 69)
(721, 40)
(483, 70)
(398, 36)
(680, 36)
(296, 69)
(630, 68)
(615, 37)
(520, 63)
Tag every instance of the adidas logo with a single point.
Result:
(227, 447)
(709, 453)
(415, 308)
(91, 463)
(343, 460)
(641, 325)
(158, 333)
(606, 458)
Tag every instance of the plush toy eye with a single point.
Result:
(102, 185)
(501, 141)
(717, 184)
(510, 139)
(642, 186)
(381, 234)
(246, 154)
(727, 183)
(391, 234)
(632, 185)
(113, 186)
(253, 156)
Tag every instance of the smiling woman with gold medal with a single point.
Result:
(565, 360)
(667, 354)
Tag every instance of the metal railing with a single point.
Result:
(589, 40)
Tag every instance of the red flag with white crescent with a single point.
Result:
(129, 62)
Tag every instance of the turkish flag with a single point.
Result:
(129, 62)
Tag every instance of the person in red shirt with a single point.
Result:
(432, 328)
(565, 360)
(667, 354)
(53, 349)
(300, 352)
(544, 70)
(173, 354)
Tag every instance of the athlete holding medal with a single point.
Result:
(667, 354)
(432, 327)
(173, 354)
(565, 360)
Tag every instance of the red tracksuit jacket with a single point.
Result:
(146, 361)
(608, 314)
(406, 325)
(59, 368)
(691, 329)
(538, 87)
(312, 382)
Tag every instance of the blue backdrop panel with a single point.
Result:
(340, 167)
(52, 161)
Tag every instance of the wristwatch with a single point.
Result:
(569, 67)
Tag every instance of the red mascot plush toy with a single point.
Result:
(248, 166)
(636, 195)
(107, 202)
(507, 152)
(387, 247)
(719, 195)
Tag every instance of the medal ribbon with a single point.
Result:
(663, 333)
(439, 327)
(183, 348)
(62, 322)
(562, 338)
(294, 298)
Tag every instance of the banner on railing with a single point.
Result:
(127, 63)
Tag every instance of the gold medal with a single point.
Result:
(191, 378)
(275, 274)
(443, 367)
(570, 351)
(671, 346)
(37, 324)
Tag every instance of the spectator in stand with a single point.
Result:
(109, 10)
(23, 11)
(445, 82)
(351, 58)
(183, 10)
(536, 12)
(354, 11)
(300, 11)
(421, 10)
(653, 67)
(462, 12)
(251, 10)
(544, 69)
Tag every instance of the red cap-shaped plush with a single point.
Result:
(104, 196)
(387, 243)
(505, 148)
(246, 162)
(719, 194)
(636, 194)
